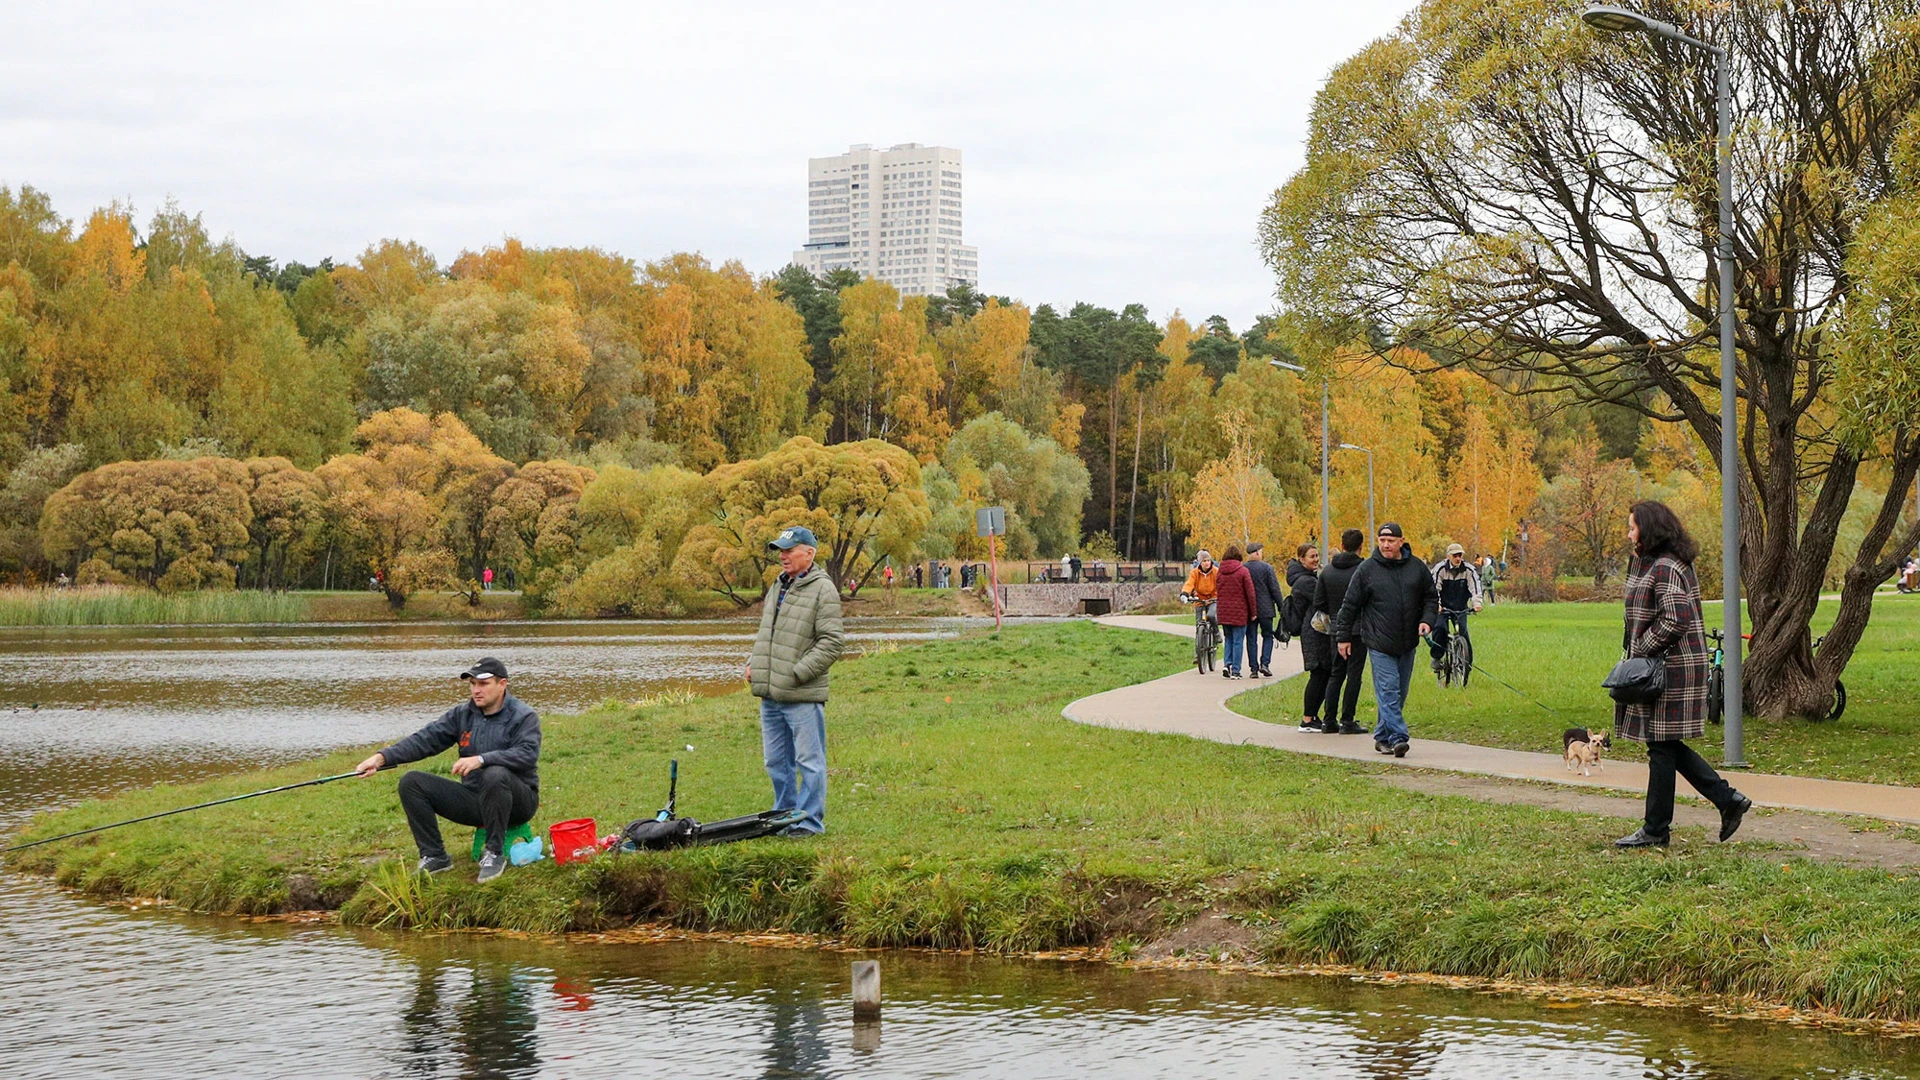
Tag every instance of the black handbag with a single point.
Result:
(1637, 680)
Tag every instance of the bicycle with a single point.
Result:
(1456, 663)
(1717, 682)
(1206, 633)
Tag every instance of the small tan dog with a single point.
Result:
(1583, 749)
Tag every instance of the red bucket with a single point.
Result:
(573, 841)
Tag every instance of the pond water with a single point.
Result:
(91, 990)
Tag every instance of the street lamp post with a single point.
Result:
(1371, 535)
(1611, 19)
(1326, 514)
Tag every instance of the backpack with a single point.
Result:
(1293, 614)
(648, 834)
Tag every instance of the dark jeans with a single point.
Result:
(1663, 760)
(1343, 682)
(1455, 620)
(1265, 627)
(498, 802)
(1317, 679)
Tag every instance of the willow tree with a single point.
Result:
(1516, 194)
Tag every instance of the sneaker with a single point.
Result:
(1330, 728)
(1311, 723)
(434, 864)
(1348, 727)
(492, 865)
(1266, 673)
(1437, 665)
(1400, 749)
(1381, 747)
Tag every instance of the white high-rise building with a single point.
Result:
(891, 214)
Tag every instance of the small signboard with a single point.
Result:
(990, 521)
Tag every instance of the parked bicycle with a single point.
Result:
(1717, 681)
(1206, 632)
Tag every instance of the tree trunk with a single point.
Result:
(1113, 454)
(1133, 489)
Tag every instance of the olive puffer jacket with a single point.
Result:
(800, 637)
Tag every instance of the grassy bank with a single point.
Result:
(966, 813)
(105, 605)
(1557, 654)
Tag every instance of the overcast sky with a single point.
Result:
(1114, 151)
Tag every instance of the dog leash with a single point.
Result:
(1515, 689)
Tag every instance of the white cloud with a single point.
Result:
(1114, 152)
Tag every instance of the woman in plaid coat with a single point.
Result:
(1663, 619)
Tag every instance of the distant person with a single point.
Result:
(1316, 648)
(1663, 619)
(63, 581)
(919, 575)
(1390, 605)
(1487, 578)
(498, 767)
(1066, 566)
(800, 637)
(486, 579)
(1343, 675)
(1268, 597)
(1237, 605)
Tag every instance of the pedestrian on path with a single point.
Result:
(1316, 648)
(1268, 598)
(1343, 673)
(1663, 619)
(1390, 605)
(1237, 604)
(800, 637)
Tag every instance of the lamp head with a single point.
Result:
(1614, 19)
(1289, 367)
(1350, 446)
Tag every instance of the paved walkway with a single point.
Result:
(1193, 704)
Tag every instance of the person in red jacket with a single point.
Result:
(1237, 604)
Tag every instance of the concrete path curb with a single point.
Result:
(1193, 704)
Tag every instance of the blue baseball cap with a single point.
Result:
(794, 537)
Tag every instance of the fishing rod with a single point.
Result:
(184, 809)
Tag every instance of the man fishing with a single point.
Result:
(499, 786)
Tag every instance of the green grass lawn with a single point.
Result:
(1556, 654)
(965, 812)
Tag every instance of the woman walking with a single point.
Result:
(1237, 605)
(1663, 620)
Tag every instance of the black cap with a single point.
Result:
(1391, 528)
(488, 667)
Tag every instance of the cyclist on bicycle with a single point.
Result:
(1203, 585)
(1459, 587)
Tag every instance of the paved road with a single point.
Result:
(1193, 704)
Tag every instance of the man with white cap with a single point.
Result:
(800, 637)
(1459, 587)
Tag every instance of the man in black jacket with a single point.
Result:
(1267, 601)
(1343, 678)
(499, 787)
(1390, 605)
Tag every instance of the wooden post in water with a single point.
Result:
(866, 989)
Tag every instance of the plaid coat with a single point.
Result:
(1663, 619)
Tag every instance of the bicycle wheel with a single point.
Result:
(1716, 694)
(1200, 647)
(1839, 703)
(1460, 659)
(1213, 648)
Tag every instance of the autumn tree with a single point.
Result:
(631, 524)
(863, 500)
(1236, 500)
(1586, 507)
(532, 522)
(289, 510)
(1521, 196)
(992, 461)
(170, 524)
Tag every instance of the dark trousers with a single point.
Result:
(499, 801)
(1451, 622)
(1265, 627)
(1317, 680)
(1343, 681)
(1663, 760)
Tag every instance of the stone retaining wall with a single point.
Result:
(1074, 599)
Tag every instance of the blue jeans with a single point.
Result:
(1265, 628)
(1236, 646)
(1392, 676)
(793, 738)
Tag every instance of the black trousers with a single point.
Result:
(1343, 681)
(1664, 759)
(499, 801)
(1317, 679)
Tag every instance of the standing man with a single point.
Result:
(499, 786)
(800, 637)
(1343, 678)
(1268, 598)
(1390, 605)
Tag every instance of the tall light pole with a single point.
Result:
(1371, 535)
(1326, 515)
(1611, 19)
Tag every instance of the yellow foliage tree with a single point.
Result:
(1236, 500)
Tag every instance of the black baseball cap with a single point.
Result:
(487, 668)
(1392, 528)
